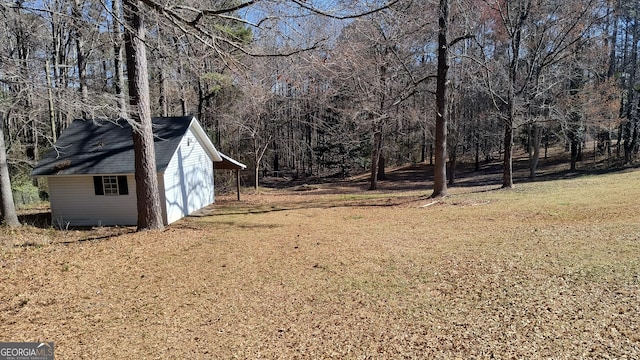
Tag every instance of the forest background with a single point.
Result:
(332, 88)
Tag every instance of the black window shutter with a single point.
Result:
(123, 188)
(97, 185)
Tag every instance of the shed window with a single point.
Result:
(110, 185)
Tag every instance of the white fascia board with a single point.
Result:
(226, 157)
(204, 140)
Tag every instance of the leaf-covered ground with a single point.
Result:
(547, 270)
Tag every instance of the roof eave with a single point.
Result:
(240, 165)
(204, 140)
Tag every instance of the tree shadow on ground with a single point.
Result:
(309, 192)
(419, 176)
(319, 201)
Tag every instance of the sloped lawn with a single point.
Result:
(547, 270)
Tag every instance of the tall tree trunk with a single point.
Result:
(477, 154)
(614, 39)
(81, 59)
(52, 113)
(574, 155)
(258, 153)
(535, 140)
(183, 90)
(431, 154)
(382, 174)
(507, 161)
(522, 11)
(58, 56)
(375, 158)
(631, 139)
(164, 103)
(423, 147)
(149, 208)
(9, 216)
(632, 111)
(440, 168)
(118, 82)
(256, 162)
(309, 149)
(453, 158)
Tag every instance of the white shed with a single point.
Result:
(90, 171)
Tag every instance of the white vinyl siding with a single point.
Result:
(74, 203)
(188, 179)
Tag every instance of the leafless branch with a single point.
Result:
(315, 10)
(460, 38)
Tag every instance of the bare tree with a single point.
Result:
(118, 74)
(630, 110)
(254, 123)
(355, 102)
(534, 40)
(148, 195)
(379, 74)
(78, 29)
(440, 169)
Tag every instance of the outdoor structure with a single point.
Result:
(228, 163)
(90, 171)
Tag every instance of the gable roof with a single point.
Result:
(106, 147)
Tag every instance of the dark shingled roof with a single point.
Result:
(106, 147)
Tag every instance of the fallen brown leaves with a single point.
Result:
(541, 272)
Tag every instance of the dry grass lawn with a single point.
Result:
(547, 270)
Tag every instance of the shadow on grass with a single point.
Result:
(108, 236)
(420, 176)
(484, 177)
(353, 192)
(381, 200)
